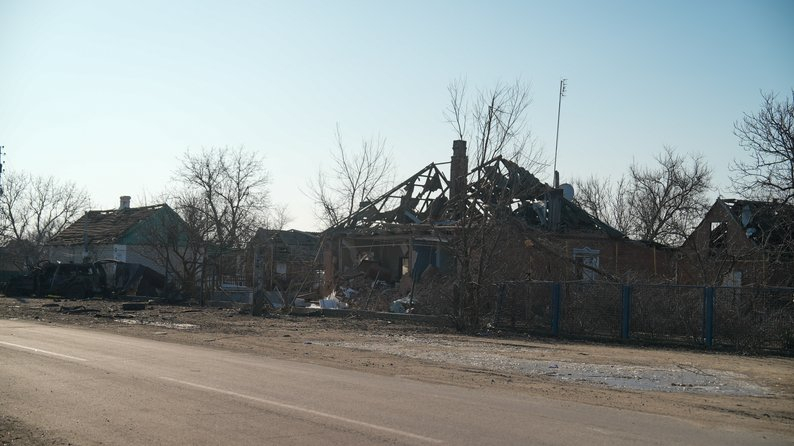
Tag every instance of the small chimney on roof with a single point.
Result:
(458, 170)
(124, 202)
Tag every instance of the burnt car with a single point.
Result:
(75, 280)
(104, 278)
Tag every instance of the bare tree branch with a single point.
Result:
(230, 192)
(455, 114)
(662, 203)
(35, 209)
(668, 201)
(498, 121)
(353, 178)
(278, 218)
(767, 137)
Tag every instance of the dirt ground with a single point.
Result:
(747, 392)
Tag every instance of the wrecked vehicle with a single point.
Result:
(133, 279)
(103, 278)
(76, 280)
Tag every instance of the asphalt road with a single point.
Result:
(90, 387)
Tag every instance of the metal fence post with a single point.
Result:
(626, 319)
(708, 316)
(555, 309)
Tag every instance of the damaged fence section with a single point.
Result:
(743, 319)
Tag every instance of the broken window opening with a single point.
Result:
(718, 234)
(586, 262)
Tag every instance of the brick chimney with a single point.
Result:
(124, 202)
(458, 170)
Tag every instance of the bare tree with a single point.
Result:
(667, 201)
(662, 203)
(495, 121)
(604, 200)
(224, 199)
(187, 240)
(229, 193)
(353, 178)
(767, 174)
(15, 189)
(34, 209)
(767, 137)
(278, 217)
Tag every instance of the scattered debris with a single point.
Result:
(233, 293)
(77, 309)
(407, 304)
(158, 324)
(276, 299)
(332, 303)
(305, 311)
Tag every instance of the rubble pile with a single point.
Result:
(363, 293)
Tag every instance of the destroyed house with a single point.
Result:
(127, 234)
(741, 243)
(287, 257)
(399, 235)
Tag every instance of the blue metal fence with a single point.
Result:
(744, 319)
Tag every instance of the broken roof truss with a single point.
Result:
(421, 197)
(496, 187)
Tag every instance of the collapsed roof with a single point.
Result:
(420, 198)
(768, 223)
(496, 187)
(107, 226)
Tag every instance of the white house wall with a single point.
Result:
(124, 253)
(145, 256)
(75, 254)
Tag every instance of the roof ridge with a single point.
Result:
(153, 206)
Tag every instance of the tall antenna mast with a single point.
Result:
(563, 87)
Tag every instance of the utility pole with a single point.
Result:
(563, 87)
(1, 169)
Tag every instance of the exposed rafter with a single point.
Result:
(420, 198)
(497, 187)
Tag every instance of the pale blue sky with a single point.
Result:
(108, 94)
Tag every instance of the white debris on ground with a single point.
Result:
(158, 324)
(504, 359)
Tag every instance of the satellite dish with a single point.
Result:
(567, 191)
(747, 214)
